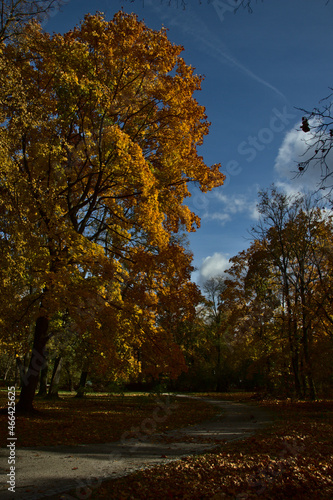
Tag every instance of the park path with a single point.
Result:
(48, 472)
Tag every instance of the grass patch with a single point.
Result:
(237, 396)
(99, 418)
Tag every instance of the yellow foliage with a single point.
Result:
(98, 145)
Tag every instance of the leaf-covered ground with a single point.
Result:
(292, 460)
(97, 418)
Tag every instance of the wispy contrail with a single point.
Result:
(208, 42)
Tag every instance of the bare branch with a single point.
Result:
(318, 125)
(14, 14)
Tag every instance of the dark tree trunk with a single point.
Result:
(308, 371)
(303, 378)
(43, 379)
(82, 384)
(295, 367)
(218, 368)
(69, 379)
(37, 362)
(292, 336)
(312, 386)
(22, 368)
(295, 357)
(18, 368)
(8, 368)
(306, 337)
(307, 361)
(55, 380)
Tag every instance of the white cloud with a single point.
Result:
(214, 265)
(295, 149)
(222, 218)
(253, 211)
(232, 206)
(288, 188)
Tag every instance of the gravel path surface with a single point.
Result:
(49, 471)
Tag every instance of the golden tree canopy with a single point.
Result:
(98, 144)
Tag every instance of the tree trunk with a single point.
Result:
(303, 377)
(22, 368)
(8, 368)
(306, 331)
(82, 384)
(218, 367)
(295, 367)
(37, 362)
(70, 379)
(54, 385)
(292, 335)
(43, 379)
(308, 366)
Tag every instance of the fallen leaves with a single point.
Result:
(292, 460)
(99, 418)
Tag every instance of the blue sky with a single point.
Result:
(258, 69)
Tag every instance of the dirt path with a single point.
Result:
(48, 472)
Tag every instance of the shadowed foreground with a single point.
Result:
(47, 471)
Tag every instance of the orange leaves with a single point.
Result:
(280, 293)
(99, 418)
(99, 146)
(275, 464)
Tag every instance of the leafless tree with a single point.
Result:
(14, 14)
(318, 126)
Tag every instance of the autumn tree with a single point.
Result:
(98, 145)
(293, 231)
(207, 342)
(250, 300)
(158, 297)
(172, 298)
(278, 298)
(213, 289)
(276, 211)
